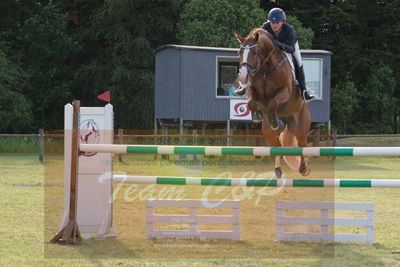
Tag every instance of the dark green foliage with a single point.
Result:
(344, 102)
(212, 23)
(363, 35)
(124, 35)
(44, 52)
(305, 36)
(15, 108)
(54, 53)
(378, 101)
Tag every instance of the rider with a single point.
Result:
(286, 39)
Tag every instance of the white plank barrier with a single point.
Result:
(193, 219)
(94, 208)
(324, 221)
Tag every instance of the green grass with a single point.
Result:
(19, 145)
(32, 208)
(369, 141)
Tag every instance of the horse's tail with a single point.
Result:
(287, 139)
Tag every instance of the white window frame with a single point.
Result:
(219, 59)
(319, 96)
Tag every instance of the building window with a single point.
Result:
(313, 73)
(227, 70)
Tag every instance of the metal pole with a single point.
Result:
(41, 145)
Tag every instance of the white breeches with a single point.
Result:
(297, 55)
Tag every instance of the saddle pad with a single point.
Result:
(290, 60)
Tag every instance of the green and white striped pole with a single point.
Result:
(254, 182)
(255, 151)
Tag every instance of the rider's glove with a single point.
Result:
(281, 45)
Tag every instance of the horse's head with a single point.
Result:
(253, 53)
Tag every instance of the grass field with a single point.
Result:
(32, 208)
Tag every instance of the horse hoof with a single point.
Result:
(278, 172)
(304, 170)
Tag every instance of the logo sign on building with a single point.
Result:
(239, 110)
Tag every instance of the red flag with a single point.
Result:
(106, 96)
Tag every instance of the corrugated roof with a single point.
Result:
(189, 47)
(224, 49)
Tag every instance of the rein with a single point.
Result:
(253, 70)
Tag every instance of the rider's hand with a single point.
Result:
(280, 44)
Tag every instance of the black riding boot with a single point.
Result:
(306, 94)
(240, 91)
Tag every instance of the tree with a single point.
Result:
(378, 101)
(120, 47)
(15, 108)
(14, 13)
(361, 35)
(305, 36)
(213, 22)
(344, 101)
(44, 50)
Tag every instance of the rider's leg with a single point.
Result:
(306, 94)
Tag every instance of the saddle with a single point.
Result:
(293, 65)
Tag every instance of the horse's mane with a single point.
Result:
(252, 34)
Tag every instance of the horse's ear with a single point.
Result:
(239, 38)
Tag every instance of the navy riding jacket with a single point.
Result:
(287, 36)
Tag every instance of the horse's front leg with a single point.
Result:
(281, 97)
(256, 113)
(252, 98)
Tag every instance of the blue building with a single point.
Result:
(192, 84)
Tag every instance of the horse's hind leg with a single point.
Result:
(278, 168)
(300, 130)
(304, 169)
(272, 138)
(301, 136)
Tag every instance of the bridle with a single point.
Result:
(253, 70)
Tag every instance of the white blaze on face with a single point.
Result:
(243, 72)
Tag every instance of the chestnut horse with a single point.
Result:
(271, 88)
